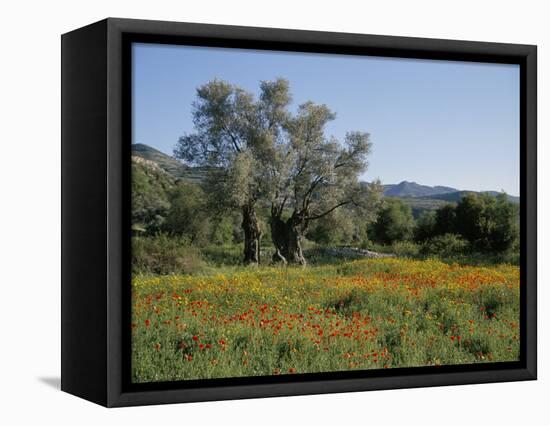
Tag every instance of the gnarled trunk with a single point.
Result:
(286, 236)
(252, 234)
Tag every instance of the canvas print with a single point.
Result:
(298, 213)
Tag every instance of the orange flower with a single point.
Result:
(292, 370)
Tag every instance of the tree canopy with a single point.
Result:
(256, 149)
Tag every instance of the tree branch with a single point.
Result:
(343, 203)
(232, 137)
(282, 206)
(309, 192)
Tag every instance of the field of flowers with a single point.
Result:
(366, 314)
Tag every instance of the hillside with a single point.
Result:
(169, 164)
(423, 197)
(413, 189)
(165, 162)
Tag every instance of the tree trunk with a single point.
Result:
(252, 235)
(286, 237)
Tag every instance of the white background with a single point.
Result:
(30, 211)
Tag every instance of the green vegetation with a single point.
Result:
(368, 314)
(177, 231)
(221, 241)
(394, 223)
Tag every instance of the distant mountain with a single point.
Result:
(423, 197)
(413, 189)
(169, 164)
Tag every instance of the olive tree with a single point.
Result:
(312, 176)
(233, 138)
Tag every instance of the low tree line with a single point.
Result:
(477, 223)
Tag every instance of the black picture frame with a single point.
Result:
(96, 135)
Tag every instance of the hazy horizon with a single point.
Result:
(408, 106)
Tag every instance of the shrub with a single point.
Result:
(163, 255)
(149, 198)
(425, 226)
(489, 223)
(222, 231)
(405, 249)
(445, 245)
(334, 229)
(445, 220)
(224, 255)
(394, 223)
(187, 216)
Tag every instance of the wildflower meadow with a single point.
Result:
(357, 315)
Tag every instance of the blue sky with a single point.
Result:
(431, 122)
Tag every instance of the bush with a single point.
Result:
(394, 223)
(187, 216)
(334, 229)
(222, 231)
(163, 255)
(224, 255)
(149, 198)
(445, 220)
(405, 249)
(489, 223)
(425, 226)
(445, 245)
